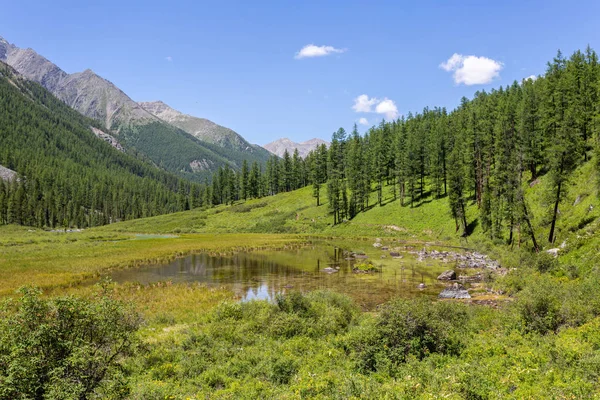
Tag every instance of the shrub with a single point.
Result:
(539, 306)
(545, 262)
(64, 347)
(409, 329)
(315, 314)
(283, 369)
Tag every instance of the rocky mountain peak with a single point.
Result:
(279, 146)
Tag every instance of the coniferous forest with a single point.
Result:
(484, 150)
(66, 176)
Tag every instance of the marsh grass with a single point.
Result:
(58, 260)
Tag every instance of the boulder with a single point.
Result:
(553, 252)
(422, 286)
(449, 275)
(456, 291)
(394, 254)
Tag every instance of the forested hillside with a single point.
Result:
(140, 132)
(485, 151)
(68, 177)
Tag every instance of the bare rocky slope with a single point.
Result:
(202, 128)
(86, 92)
(279, 146)
(7, 174)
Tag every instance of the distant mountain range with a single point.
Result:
(186, 145)
(279, 146)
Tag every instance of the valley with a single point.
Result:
(147, 253)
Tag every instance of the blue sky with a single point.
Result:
(236, 62)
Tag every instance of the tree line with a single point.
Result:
(483, 152)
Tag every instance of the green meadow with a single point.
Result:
(530, 334)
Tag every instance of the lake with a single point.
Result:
(264, 274)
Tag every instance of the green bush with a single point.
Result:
(283, 369)
(539, 306)
(409, 330)
(314, 314)
(545, 262)
(64, 347)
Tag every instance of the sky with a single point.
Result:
(302, 69)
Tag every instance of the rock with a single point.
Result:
(376, 244)
(447, 275)
(377, 240)
(553, 252)
(422, 286)
(384, 248)
(361, 256)
(107, 138)
(330, 270)
(7, 174)
(394, 254)
(456, 291)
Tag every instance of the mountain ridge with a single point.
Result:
(201, 128)
(279, 146)
(139, 131)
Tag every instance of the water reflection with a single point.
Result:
(262, 275)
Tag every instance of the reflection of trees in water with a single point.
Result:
(263, 275)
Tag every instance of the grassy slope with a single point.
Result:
(296, 212)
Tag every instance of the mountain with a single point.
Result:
(200, 128)
(86, 92)
(67, 177)
(208, 132)
(136, 129)
(279, 146)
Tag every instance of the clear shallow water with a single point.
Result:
(264, 274)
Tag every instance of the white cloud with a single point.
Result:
(388, 108)
(363, 121)
(532, 77)
(472, 70)
(310, 50)
(385, 106)
(169, 58)
(364, 104)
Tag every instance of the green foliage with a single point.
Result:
(64, 347)
(366, 267)
(545, 262)
(539, 306)
(407, 330)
